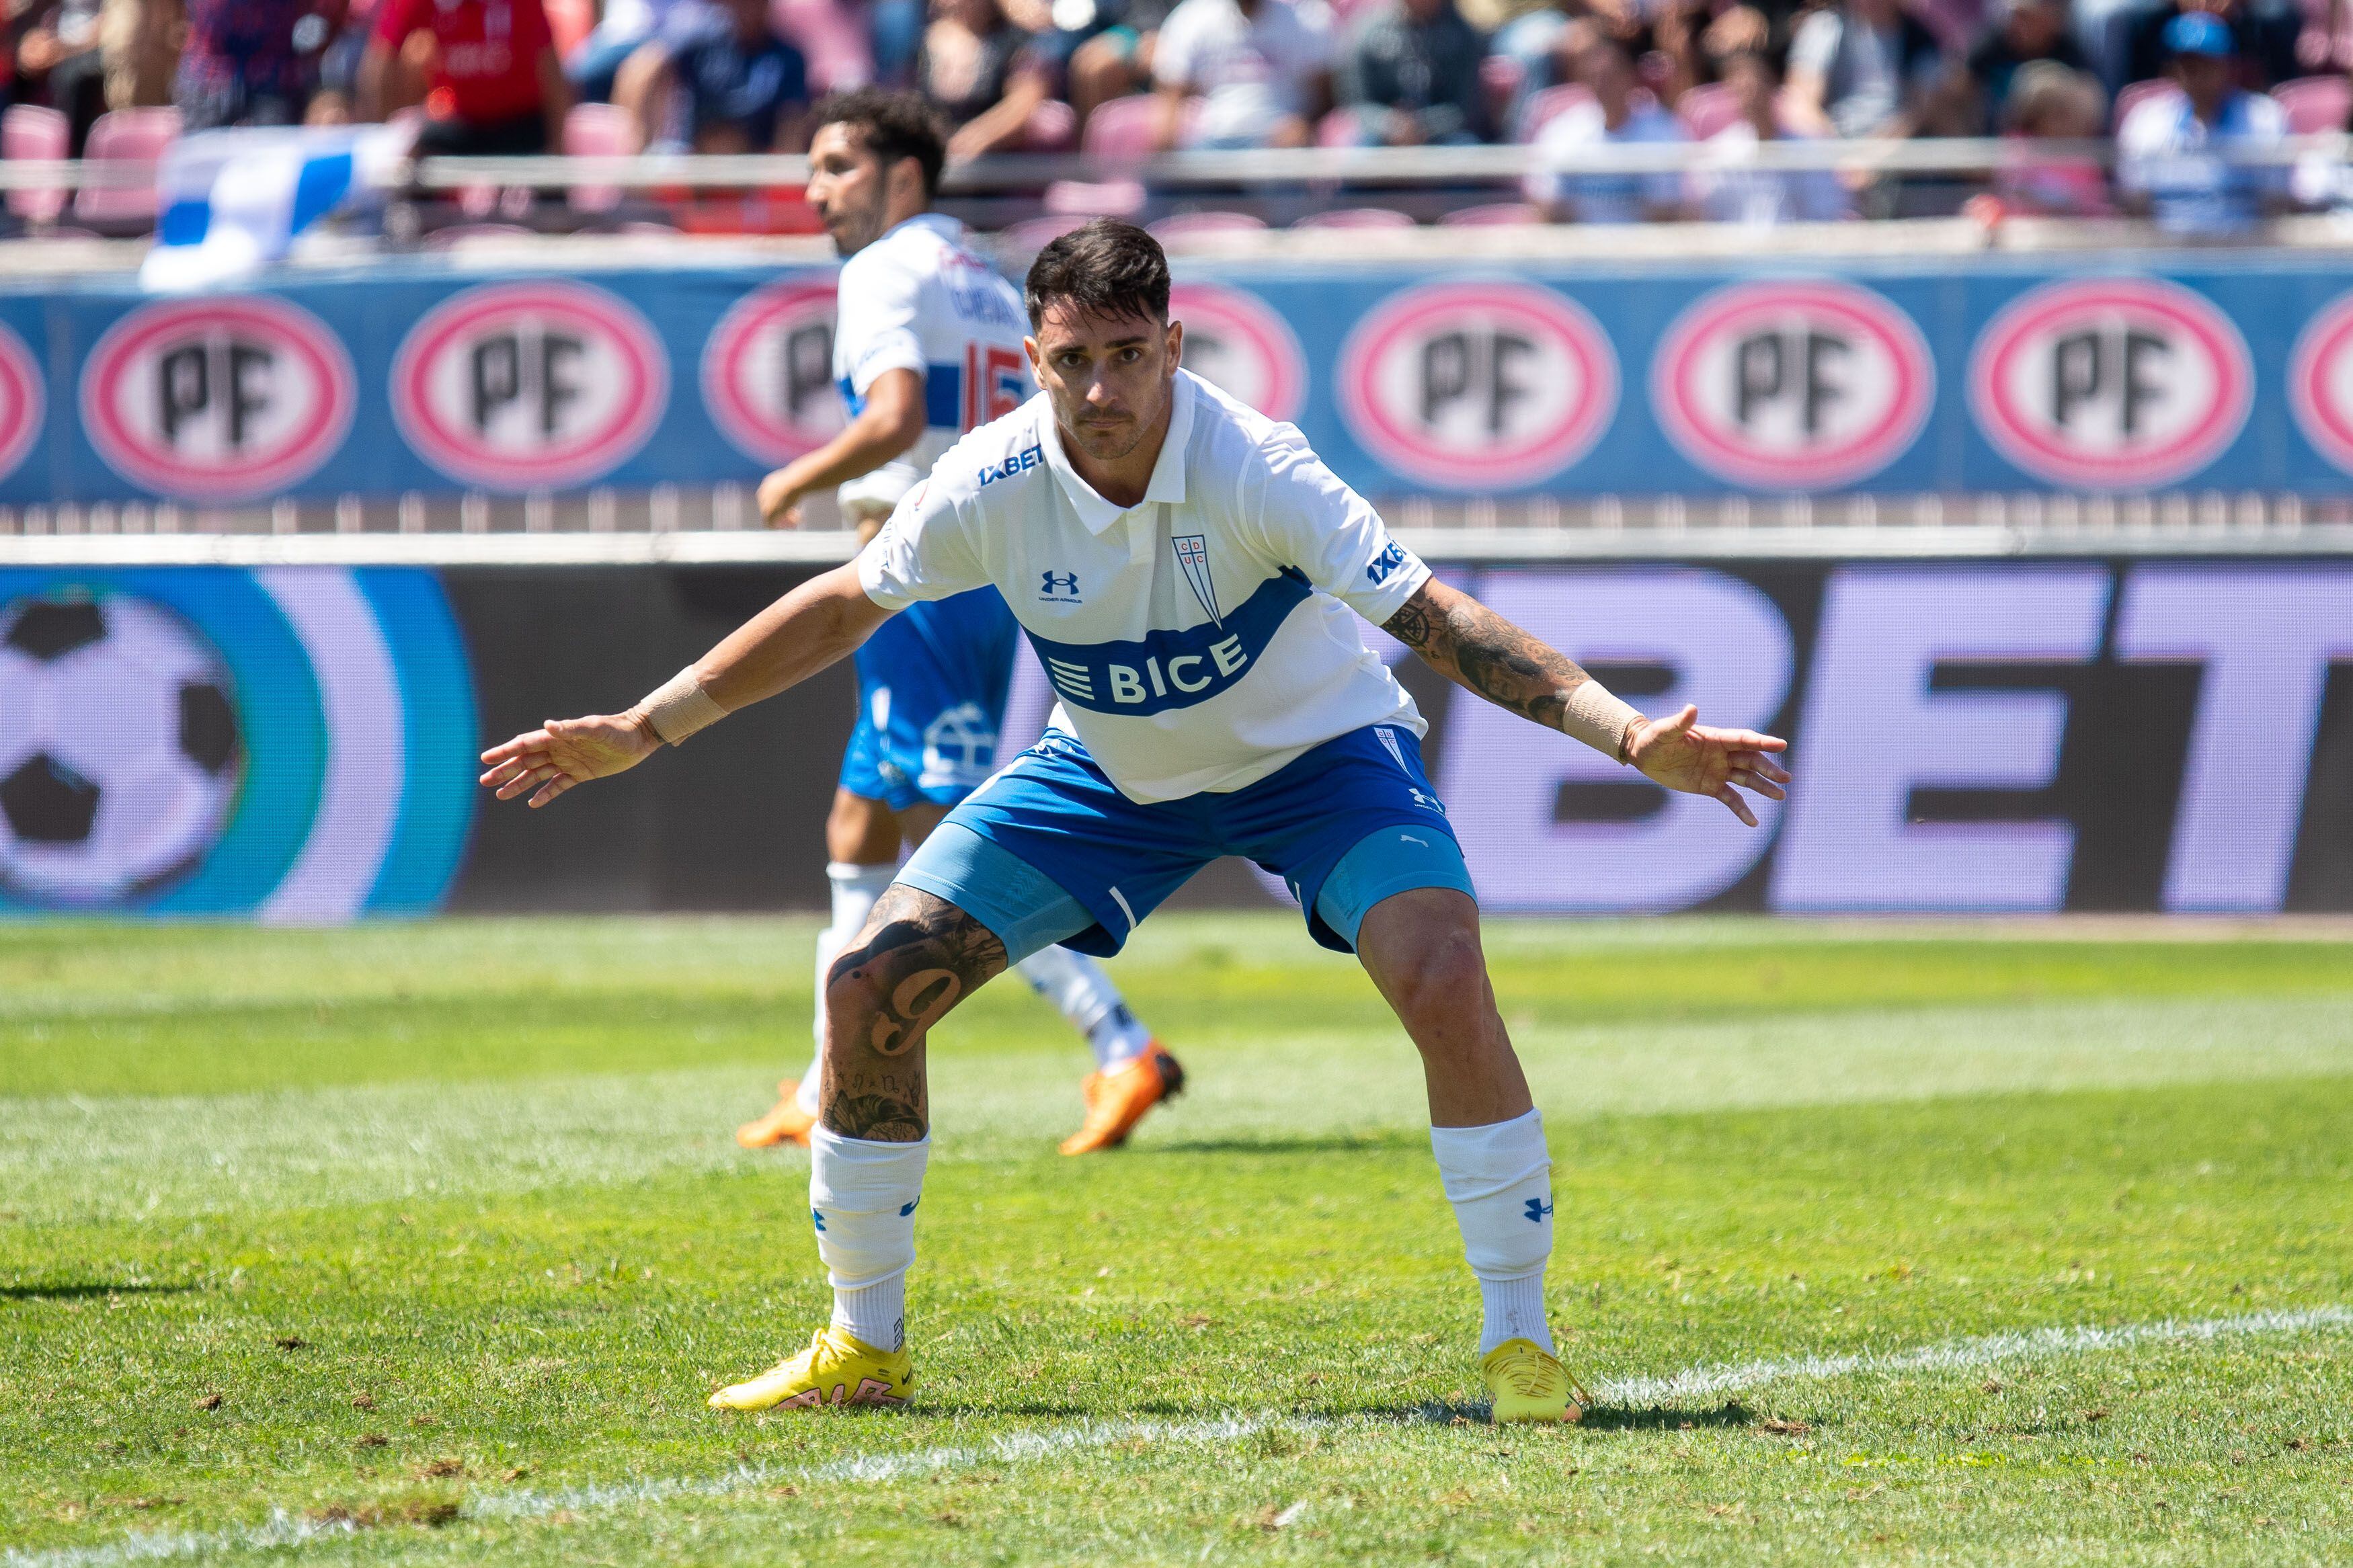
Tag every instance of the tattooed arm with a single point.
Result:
(1480, 651)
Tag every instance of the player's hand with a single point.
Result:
(1688, 757)
(566, 751)
(780, 500)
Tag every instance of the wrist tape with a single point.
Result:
(1598, 719)
(678, 707)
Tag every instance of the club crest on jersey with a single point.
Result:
(1019, 463)
(1193, 559)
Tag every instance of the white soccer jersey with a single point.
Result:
(920, 299)
(1198, 640)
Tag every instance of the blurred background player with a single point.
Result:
(927, 344)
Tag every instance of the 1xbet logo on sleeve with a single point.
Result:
(1386, 562)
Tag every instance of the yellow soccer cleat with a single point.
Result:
(1118, 1100)
(787, 1123)
(1527, 1384)
(835, 1370)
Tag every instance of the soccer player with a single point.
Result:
(1187, 569)
(926, 345)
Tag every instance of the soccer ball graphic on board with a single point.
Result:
(119, 754)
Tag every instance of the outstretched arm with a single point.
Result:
(1480, 651)
(792, 639)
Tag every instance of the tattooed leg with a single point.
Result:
(917, 958)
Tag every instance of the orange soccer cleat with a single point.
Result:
(1118, 1100)
(787, 1123)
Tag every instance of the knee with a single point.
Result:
(1095, 68)
(1439, 986)
(854, 988)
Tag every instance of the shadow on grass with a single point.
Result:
(79, 1292)
(1601, 1418)
(1332, 1143)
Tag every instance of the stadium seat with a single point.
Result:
(1121, 128)
(1084, 199)
(30, 133)
(2315, 104)
(1491, 215)
(1355, 217)
(1544, 107)
(133, 137)
(2133, 94)
(1705, 110)
(1341, 127)
(834, 38)
(1052, 127)
(597, 130)
(1031, 236)
(1182, 227)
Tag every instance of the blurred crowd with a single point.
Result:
(2172, 80)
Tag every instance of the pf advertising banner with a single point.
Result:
(299, 743)
(2151, 371)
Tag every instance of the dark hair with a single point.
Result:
(1106, 266)
(892, 125)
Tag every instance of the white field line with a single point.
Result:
(285, 1531)
(2022, 1344)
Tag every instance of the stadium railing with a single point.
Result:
(678, 525)
(1003, 188)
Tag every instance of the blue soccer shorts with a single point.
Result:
(1050, 851)
(932, 683)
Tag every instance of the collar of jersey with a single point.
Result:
(1168, 473)
(940, 224)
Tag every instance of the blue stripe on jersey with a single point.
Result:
(943, 397)
(1172, 669)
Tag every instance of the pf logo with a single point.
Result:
(222, 399)
(1477, 386)
(1235, 342)
(22, 402)
(2111, 383)
(523, 386)
(2321, 381)
(767, 371)
(1802, 385)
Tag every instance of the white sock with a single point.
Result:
(1078, 986)
(855, 888)
(1498, 1179)
(862, 1198)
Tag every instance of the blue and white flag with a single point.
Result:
(231, 202)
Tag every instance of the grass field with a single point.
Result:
(425, 1243)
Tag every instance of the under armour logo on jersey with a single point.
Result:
(907, 1208)
(1058, 583)
(818, 1219)
(1386, 562)
(1537, 1209)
